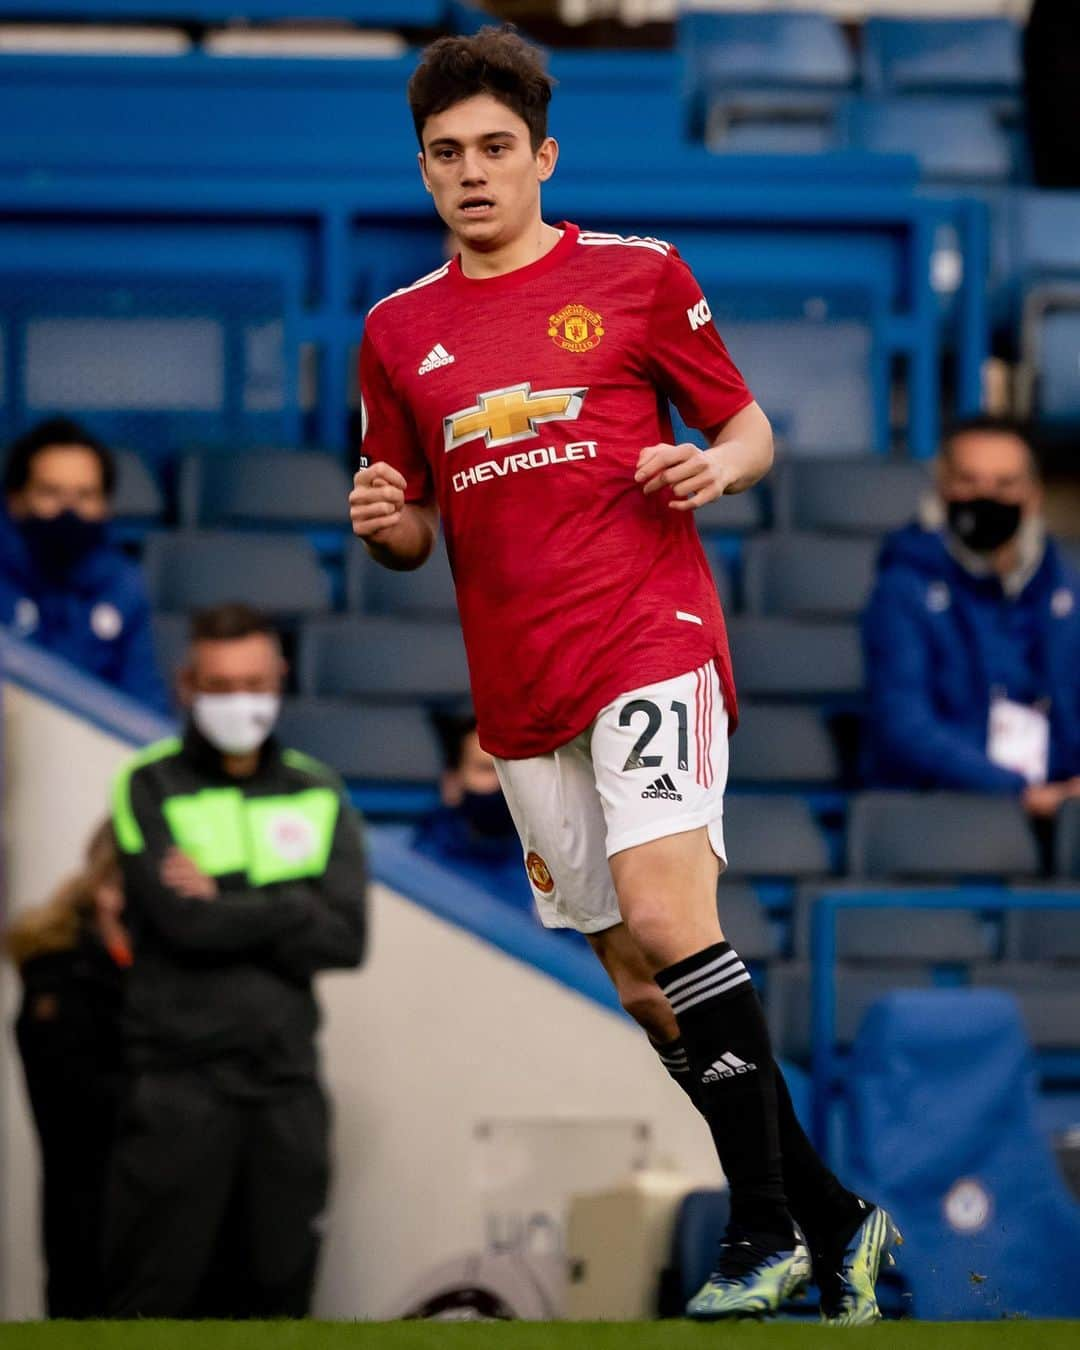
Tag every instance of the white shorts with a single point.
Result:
(654, 762)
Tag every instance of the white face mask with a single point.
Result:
(235, 724)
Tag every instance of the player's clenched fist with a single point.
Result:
(377, 500)
(695, 476)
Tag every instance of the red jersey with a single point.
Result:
(521, 403)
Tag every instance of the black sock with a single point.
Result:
(733, 1084)
(819, 1204)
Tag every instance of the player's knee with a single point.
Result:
(649, 1009)
(655, 929)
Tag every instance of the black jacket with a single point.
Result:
(225, 985)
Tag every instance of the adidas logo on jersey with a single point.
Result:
(438, 356)
(727, 1066)
(663, 787)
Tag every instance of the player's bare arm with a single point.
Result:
(398, 534)
(740, 456)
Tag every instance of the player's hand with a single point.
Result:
(377, 501)
(180, 874)
(1046, 799)
(694, 476)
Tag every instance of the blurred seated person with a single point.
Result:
(972, 635)
(244, 874)
(72, 954)
(472, 832)
(63, 583)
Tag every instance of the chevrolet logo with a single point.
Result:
(506, 415)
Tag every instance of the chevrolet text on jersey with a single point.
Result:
(534, 459)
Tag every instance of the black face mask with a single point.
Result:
(488, 814)
(984, 523)
(58, 543)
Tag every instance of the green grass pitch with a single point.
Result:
(1013, 1335)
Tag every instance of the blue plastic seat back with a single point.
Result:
(869, 495)
(264, 487)
(956, 141)
(813, 380)
(138, 496)
(1047, 994)
(939, 835)
(745, 923)
(772, 836)
(1068, 841)
(383, 658)
(790, 658)
(779, 743)
(941, 55)
(364, 742)
(944, 1135)
(194, 569)
(1059, 365)
(941, 937)
(808, 575)
(762, 49)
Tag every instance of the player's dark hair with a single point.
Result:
(226, 623)
(495, 61)
(54, 431)
(453, 729)
(990, 424)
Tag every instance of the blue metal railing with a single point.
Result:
(824, 1051)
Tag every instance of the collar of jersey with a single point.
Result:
(509, 281)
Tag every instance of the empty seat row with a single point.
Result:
(271, 488)
(807, 576)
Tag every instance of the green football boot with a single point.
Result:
(846, 1275)
(752, 1277)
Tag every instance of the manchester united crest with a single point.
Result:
(576, 328)
(539, 875)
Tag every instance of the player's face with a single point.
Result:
(990, 464)
(480, 168)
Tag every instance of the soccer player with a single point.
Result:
(521, 392)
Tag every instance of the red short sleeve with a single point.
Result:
(388, 432)
(687, 357)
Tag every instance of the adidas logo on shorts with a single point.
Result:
(727, 1066)
(663, 787)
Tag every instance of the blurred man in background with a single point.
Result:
(972, 635)
(244, 874)
(472, 832)
(63, 584)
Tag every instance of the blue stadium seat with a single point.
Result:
(382, 658)
(364, 742)
(1048, 995)
(721, 575)
(772, 836)
(858, 986)
(933, 937)
(934, 56)
(1043, 934)
(954, 141)
(1057, 384)
(170, 644)
(277, 573)
(1067, 861)
(806, 575)
(138, 499)
(814, 380)
(939, 836)
(427, 592)
(264, 487)
(406, 13)
(792, 659)
(745, 922)
(848, 496)
(776, 743)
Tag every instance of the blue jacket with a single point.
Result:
(97, 617)
(939, 641)
(495, 864)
